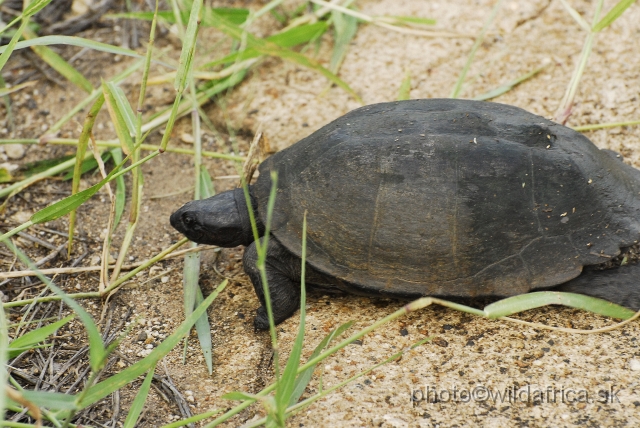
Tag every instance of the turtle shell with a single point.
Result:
(451, 197)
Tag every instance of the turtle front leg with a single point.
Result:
(283, 278)
(620, 285)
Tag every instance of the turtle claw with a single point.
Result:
(261, 321)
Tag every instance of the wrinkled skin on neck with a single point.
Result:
(221, 220)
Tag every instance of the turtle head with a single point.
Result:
(221, 220)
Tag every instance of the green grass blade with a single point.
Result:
(87, 165)
(290, 38)
(93, 96)
(4, 346)
(235, 57)
(138, 402)
(236, 16)
(51, 400)
(203, 329)
(185, 106)
(23, 226)
(206, 183)
(121, 189)
(5, 176)
(188, 46)
(126, 376)
(192, 419)
(261, 248)
(528, 301)
(412, 20)
(36, 336)
(66, 205)
(73, 41)
(69, 203)
(305, 376)
(58, 63)
(509, 86)
(35, 7)
(118, 119)
(31, 168)
(405, 87)
(83, 141)
(345, 27)
(455, 93)
(123, 106)
(30, 10)
(287, 383)
(269, 48)
(612, 15)
(97, 351)
(190, 277)
(239, 396)
(6, 51)
(298, 35)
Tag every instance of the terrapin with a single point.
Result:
(435, 197)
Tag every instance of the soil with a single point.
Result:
(550, 378)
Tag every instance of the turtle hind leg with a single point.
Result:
(283, 278)
(620, 285)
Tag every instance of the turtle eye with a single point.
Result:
(188, 221)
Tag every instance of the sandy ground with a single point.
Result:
(549, 378)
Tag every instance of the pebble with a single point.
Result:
(10, 167)
(634, 365)
(14, 151)
(187, 138)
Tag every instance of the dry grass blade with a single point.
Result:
(253, 157)
(83, 141)
(56, 62)
(509, 86)
(79, 270)
(595, 126)
(16, 88)
(16, 396)
(564, 110)
(4, 355)
(455, 93)
(384, 22)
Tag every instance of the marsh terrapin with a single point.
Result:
(435, 197)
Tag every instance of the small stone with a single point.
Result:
(634, 365)
(142, 336)
(14, 151)
(10, 167)
(187, 138)
(164, 279)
